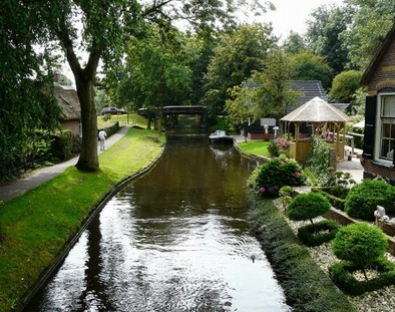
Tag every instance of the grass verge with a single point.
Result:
(306, 286)
(258, 148)
(39, 224)
(126, 119)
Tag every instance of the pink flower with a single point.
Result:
(374, 175)
(297, 174)
(262, 190)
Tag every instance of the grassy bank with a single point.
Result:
(258, 148)
(306, 286)
(39, 224)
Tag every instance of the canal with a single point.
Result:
(173, 240)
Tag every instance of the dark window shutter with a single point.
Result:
(370, 125)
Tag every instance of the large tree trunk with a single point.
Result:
(84, 78)
(88, 160)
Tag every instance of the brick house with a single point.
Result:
(71, 112)
(379, 135)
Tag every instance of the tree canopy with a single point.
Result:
(99, 29)
(238, 54)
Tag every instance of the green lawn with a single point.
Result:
(39, 224)
(255, 147)
(127, 119)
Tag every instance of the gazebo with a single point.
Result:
(326, 121)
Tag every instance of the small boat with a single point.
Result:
(220, 137)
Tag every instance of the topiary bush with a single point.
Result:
(361, 244)
(308, 206)
(341, 275)
(363, 198)
(275, 174)
(319, 233)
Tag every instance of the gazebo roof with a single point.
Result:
(316, 110)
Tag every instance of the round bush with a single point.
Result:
(360, 243)
(276, 173)
(362, 199)
(308, 206)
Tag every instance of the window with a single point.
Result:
(386, 127)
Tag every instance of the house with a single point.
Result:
(308, 89)
(71, 112)
(379, 133)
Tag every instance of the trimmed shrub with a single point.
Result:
(275, 174)
(341, 275)
(360, 244)
(362, 199)
(311, 236)
(308, 206)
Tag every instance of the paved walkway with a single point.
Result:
(37, 177)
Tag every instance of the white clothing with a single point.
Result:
(102, 138)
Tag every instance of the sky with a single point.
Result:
(292, 15)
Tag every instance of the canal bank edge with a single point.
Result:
(94, 212)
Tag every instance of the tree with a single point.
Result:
(323, 35)
(267, 93)
(273, 93)
(370, 22)
(294, 44)
(99, 27)
(345, 85)
(361, 244)
(28, 105)
(308, 66)
(157, 71)
(238, 54)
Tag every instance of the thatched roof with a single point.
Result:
(316, 110)
(68, 101)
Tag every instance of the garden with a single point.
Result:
(352, 255)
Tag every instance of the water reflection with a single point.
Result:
(175, 240)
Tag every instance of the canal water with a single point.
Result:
(173, 240)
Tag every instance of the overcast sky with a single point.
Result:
(292, 15)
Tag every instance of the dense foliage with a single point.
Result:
(363, 198)
(269, 178)
(319, 160)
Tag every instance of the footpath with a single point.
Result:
(37, 177)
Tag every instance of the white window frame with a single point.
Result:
(379, 128)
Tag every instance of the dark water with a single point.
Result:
(174, 240)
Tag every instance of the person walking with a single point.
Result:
(102, 139)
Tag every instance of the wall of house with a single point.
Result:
(72, 125)
(384, 75)
(372, 169)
